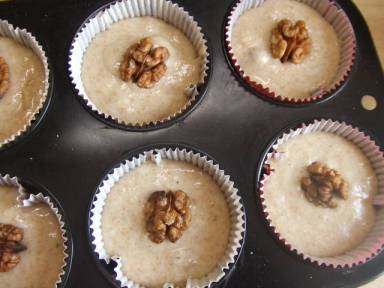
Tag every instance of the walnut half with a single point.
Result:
(290, 42)
(323, 184)
(144, 64)
(10, 246)
(4, 77)
(167, 215)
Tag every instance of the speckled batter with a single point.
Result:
(251, 44)
(21, 101)
(125, 100)
(195, 254)
(42, 262)
(313, 230)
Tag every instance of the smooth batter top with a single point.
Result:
(42, 262)
(125, 100)
(251, 45)
(21, 101)
(314, 230)
(195, 254)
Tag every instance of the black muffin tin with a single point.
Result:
(70, 151)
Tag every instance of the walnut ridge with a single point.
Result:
(143, 63)
(4, 77)
(10, 245)
(290, 41)
(167, 215)
(322, 185)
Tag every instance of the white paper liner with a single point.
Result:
(121, 10)
(156, 155)
(26, 199)
(374, 242)
(333, 14)
(26, 39)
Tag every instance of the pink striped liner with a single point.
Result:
(374, 242)
(332, 13)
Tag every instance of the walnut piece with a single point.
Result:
(10, 233)
(323, 184)
(4, 77)
(8, 261)
(144, 64)
(290, 42)
(10, 237)
(167, 215)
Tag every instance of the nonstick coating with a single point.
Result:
(70, 151)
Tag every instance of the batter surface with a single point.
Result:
(21, 101)
(195, 254)
(42, 262)
(251, 45)
(313, 230)
(125, 100)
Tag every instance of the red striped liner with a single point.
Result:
(374, 242)
(332, 13)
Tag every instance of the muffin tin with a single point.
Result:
(70, 151)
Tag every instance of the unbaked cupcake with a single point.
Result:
(291, 51)
(140, 69)
(23, 81)
(32, 245)
(167, 217)
(319, 193)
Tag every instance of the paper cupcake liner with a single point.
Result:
(165, 10)
(208, 166)
(332, 13)
(26, 199)
(26, 39)
(374, 242)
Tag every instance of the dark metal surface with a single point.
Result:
(70, 151)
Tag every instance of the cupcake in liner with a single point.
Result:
(332, 13)
(373, 243)
(126, 9)
(237, 226)
(26, 39)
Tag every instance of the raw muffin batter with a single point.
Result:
(42, 262)
(125, 100)
(377, 283)
(195, 254)
(23, 98)
(314, 230)
(251, 45)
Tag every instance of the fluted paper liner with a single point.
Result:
(332, 13)
(26, 39)
(200, 161)
(125, 9)
(374, 242)
(26, 199)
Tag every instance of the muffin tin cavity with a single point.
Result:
(365, 192)
(72, 151)
(30, 194)
(19, 104)
(128, 14)
(171, 168)
(259, 80)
